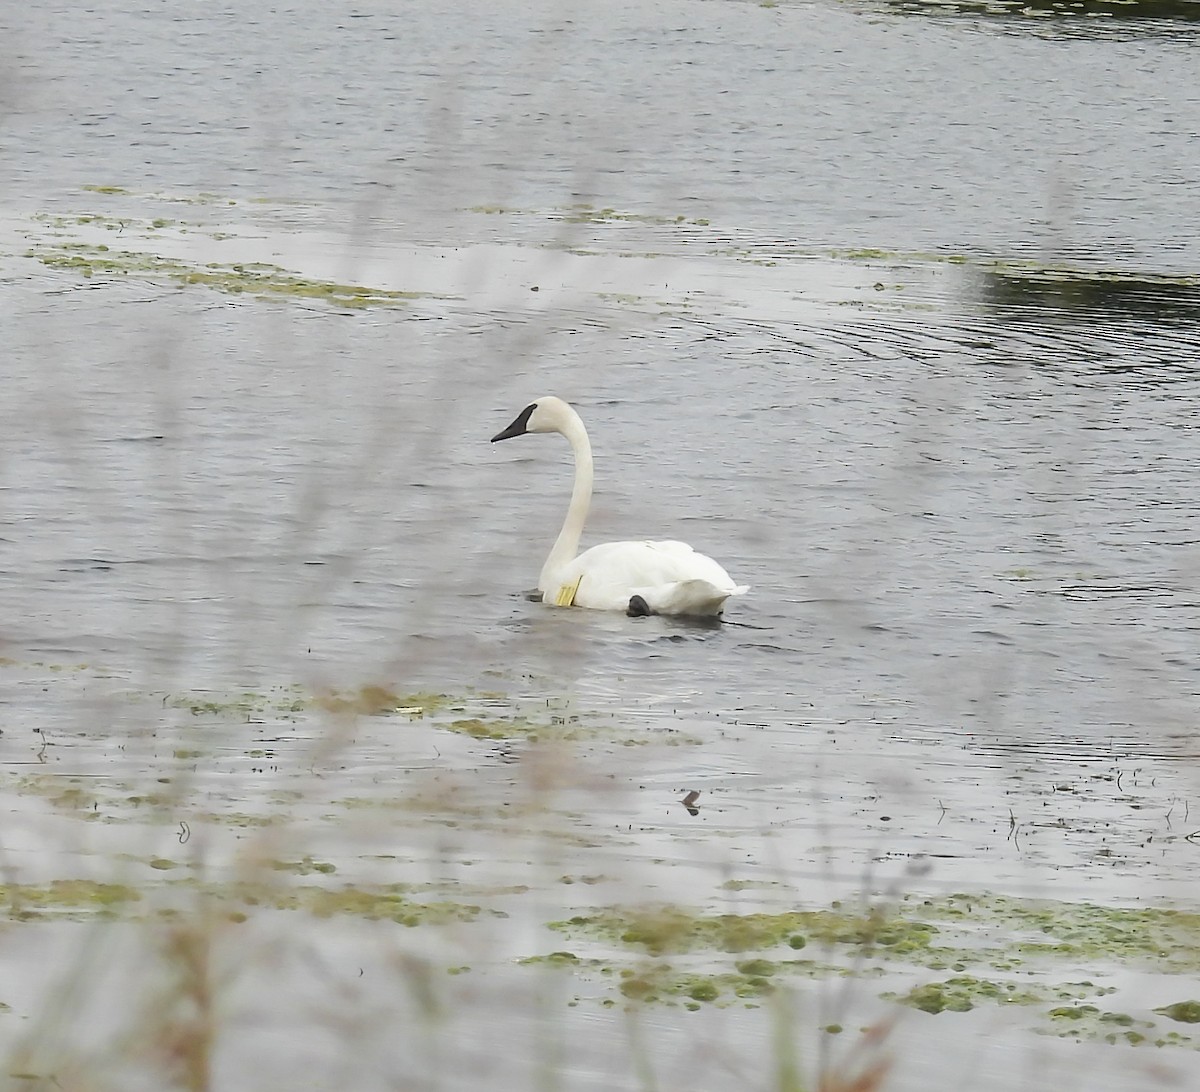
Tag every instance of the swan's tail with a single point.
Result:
(698, 598)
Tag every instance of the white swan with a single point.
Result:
(636, 577)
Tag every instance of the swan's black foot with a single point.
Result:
(638, 607)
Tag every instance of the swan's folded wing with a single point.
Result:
(612, 572)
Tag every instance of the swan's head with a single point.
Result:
(548, 414)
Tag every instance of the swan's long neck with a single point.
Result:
(566, 546)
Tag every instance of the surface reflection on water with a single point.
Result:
(1086, 17)
(1096, 297)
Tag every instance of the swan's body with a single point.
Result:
(637, 577)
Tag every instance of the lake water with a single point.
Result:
(894, 312)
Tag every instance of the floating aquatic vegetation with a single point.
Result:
(372, 700)
(588, 214)
(966, 933)
(72, 899)
(676, 930)
(281, 702)
(1186, 1012)
(254, 278)
(962, 992)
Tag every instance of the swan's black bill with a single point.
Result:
(517, 428)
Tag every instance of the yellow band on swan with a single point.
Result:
(566, 594)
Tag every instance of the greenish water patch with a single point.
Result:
(108, 799)
(259, 279)
(373, 903)
(60, 224)
(523, 728)
(497, 728)
(661, 983)
(41, 665)
(863, 254)
(491, 717)
(288, 702)
(751, 885)
(739, 982)
(589, 214)
(674, 930)
(371, 700)
(68, 793)
(1090, 1022)
(557, 959)
(304, 867)
(1186, 1012)
(1157, 938)
(975, 936)
(70, 899)
(201, 198)
(481, 716)
(962, 992)
(282, 702)
(80, 899)
(241, 820)
(620, 297)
